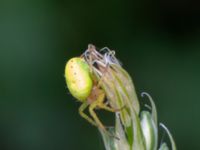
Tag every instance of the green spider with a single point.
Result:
(83, 86)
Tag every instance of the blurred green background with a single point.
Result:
(158, 43)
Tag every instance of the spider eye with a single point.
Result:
(78, 79)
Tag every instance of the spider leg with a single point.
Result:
(102, 77)
(104, 106)
(111, 109)
(98, 122)
(86, 117)
(95, 117)
(94, 105)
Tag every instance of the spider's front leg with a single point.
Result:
(99, 103)
(86, 117)
(94, 105)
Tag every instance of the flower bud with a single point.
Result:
(149, 130)
(164, 147)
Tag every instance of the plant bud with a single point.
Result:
(164, 147)
(149, 130)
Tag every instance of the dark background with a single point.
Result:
(158, 43)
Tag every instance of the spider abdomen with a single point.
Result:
(78, 79)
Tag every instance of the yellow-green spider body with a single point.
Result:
(78, 78)
(83, 87)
